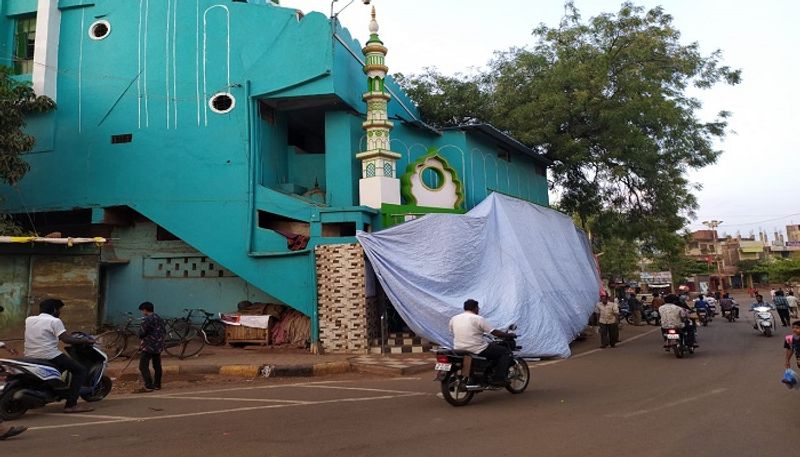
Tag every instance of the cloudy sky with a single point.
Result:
(756, 183)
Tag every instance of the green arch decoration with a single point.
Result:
(405, 180)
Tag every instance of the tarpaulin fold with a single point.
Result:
(526, 264)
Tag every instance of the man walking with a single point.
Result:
(636, 309)
(792, 303)
(657, 301)
(782, 306)
(608, 317)
(6, 431)
(153, 334)
(42, 334)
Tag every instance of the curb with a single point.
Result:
(246, 371)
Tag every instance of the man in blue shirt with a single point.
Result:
(701, 303)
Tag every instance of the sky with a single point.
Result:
(756, 182)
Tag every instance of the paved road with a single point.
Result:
(633, 400)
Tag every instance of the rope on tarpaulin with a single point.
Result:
(62, 241)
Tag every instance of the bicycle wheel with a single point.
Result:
(215, 333)
(113, 343)
(184, 340)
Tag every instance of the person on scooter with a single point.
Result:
(6, 431)
(729, 304)
(42, 334)
(468, 329)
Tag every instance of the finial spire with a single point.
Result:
(373, 24)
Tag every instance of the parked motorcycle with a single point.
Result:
(650, 315)
(764, 322)
(462, 374)
(33, 383)
(675, 340)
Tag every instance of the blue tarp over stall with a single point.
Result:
(524, 263)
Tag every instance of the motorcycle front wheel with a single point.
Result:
(454, 389)
(768, 331)
(101, 392)
(519, 375)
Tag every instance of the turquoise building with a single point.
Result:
(217, 143)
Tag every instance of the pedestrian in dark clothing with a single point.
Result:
(636, 309)
(152, 333)
(782, 306)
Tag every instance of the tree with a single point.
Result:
(607, 100)
(448, 101)
(17, 100)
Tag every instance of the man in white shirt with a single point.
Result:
(469, 328)
(42, 334)
(7, 431)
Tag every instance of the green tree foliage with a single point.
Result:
(777, 270)
(607, 99)
(17, 100)
(448, 101)
(619, 259)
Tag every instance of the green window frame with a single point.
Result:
(24, 43)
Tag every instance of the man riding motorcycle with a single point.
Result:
(468, 329)
(677, 317)
(42, 334)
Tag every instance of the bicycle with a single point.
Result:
(213, 329)
(183, 339)
(115, 342)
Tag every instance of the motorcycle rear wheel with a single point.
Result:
(519, 376)
(11, 409)
(102, 391)
(678, 349)
(454, 389)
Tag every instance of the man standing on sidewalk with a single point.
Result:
(153, 334)
(608, 317)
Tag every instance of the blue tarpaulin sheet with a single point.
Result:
(526, 264)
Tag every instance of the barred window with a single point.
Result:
(24, 43)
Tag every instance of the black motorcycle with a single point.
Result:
(678, 341)
(704, 316)
(463, 374)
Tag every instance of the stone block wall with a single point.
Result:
(342, 299)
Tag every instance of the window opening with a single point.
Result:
(222, 103)
(24, 45)
(100, 29)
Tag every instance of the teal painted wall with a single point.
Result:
(201, 175)
(130, 284)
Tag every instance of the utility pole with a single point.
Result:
(713, 224)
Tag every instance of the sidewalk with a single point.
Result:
(248, 363)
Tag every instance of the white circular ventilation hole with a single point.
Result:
(100, 29)
(222, 102)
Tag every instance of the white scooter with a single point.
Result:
(764, 322)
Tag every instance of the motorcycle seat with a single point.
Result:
(38, 362)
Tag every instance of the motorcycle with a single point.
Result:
(463, 374)
(33, 383)
(728, 310)
(764, 322)
(675, 340)
(704, 316)
(650, 315)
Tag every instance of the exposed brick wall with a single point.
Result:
(342, 299)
